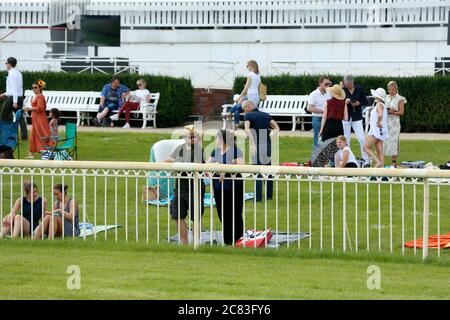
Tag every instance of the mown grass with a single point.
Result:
(166, 271)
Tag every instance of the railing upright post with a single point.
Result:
(197, 204)
(426, 216)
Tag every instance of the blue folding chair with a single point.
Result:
(9, 140)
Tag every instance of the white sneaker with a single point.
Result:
(126, 126)
(114, 117)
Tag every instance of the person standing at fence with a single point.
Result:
(258, 126)
(250, 91)
(40, 128)
(111, 99)
(334, 112)
(378, 132)
(395, 105)
(32, 207)
(14, 96)
(183, 200)
(64, 218)
(344, 158)
(228, 192)
(133, 102)
(356, 100)
(316, 103)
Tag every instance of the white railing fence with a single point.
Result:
(394, 68)
(320, 209)
(231, 13)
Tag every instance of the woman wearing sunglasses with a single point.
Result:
(39, 123)
(133, 102)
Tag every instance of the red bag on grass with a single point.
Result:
(254, 238)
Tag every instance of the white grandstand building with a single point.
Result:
(210, 41)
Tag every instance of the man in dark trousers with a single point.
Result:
(183, 200)
(258, 126)
(14, 96)
(356, 100)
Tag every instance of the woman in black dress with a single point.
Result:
(228, 194)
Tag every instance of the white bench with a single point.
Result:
(84, 103)
(282, 106)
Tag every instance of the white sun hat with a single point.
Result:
(379, 93)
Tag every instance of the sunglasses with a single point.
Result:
(327, 84)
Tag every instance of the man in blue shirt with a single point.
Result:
(111, 98)
(258, 126)
(356, 100)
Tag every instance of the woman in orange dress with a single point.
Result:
(39, 123)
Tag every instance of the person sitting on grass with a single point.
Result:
(32, 207)
(54, 134)
(344, 158)
(133, 102)
(60, 221)
(111, 99)
(183, 200)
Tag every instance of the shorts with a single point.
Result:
(110, 106)
(184, 202)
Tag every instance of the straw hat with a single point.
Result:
(380, 93)
(337, 92)
(189, 130)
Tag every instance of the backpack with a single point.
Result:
(262, 91)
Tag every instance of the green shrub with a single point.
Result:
(427, 110)
(175, 104)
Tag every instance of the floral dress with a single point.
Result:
(392, 143)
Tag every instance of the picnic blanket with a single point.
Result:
(89, 229)
(434, 242)
(207, 200)
(278, 238)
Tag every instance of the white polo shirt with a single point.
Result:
(318, 100)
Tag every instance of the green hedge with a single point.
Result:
(427, 110)
(175, 104)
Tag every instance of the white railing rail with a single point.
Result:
(203, 73)
(256, 13)
(399, 68)
(231, 13)
(340, 209)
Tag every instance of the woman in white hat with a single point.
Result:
(378, 132)
(334, 111)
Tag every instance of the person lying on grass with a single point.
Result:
(32, 207)
(61, 221)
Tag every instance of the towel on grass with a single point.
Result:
(277, 239)
(206, 199)
(89, 229)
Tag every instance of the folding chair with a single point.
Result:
(68, 149)
(9, 137)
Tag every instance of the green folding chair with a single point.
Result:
(68, 149)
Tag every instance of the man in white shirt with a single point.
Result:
(316, 103)
(13, 95)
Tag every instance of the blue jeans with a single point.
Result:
(316, 123)
(236, 111)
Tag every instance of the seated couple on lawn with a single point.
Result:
(29, 215)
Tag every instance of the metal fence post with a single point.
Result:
(197, 195)
(426, 216)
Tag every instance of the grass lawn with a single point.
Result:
(141, 270)
(108, 271)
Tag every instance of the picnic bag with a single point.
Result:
(262, 91)
(254, 238)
